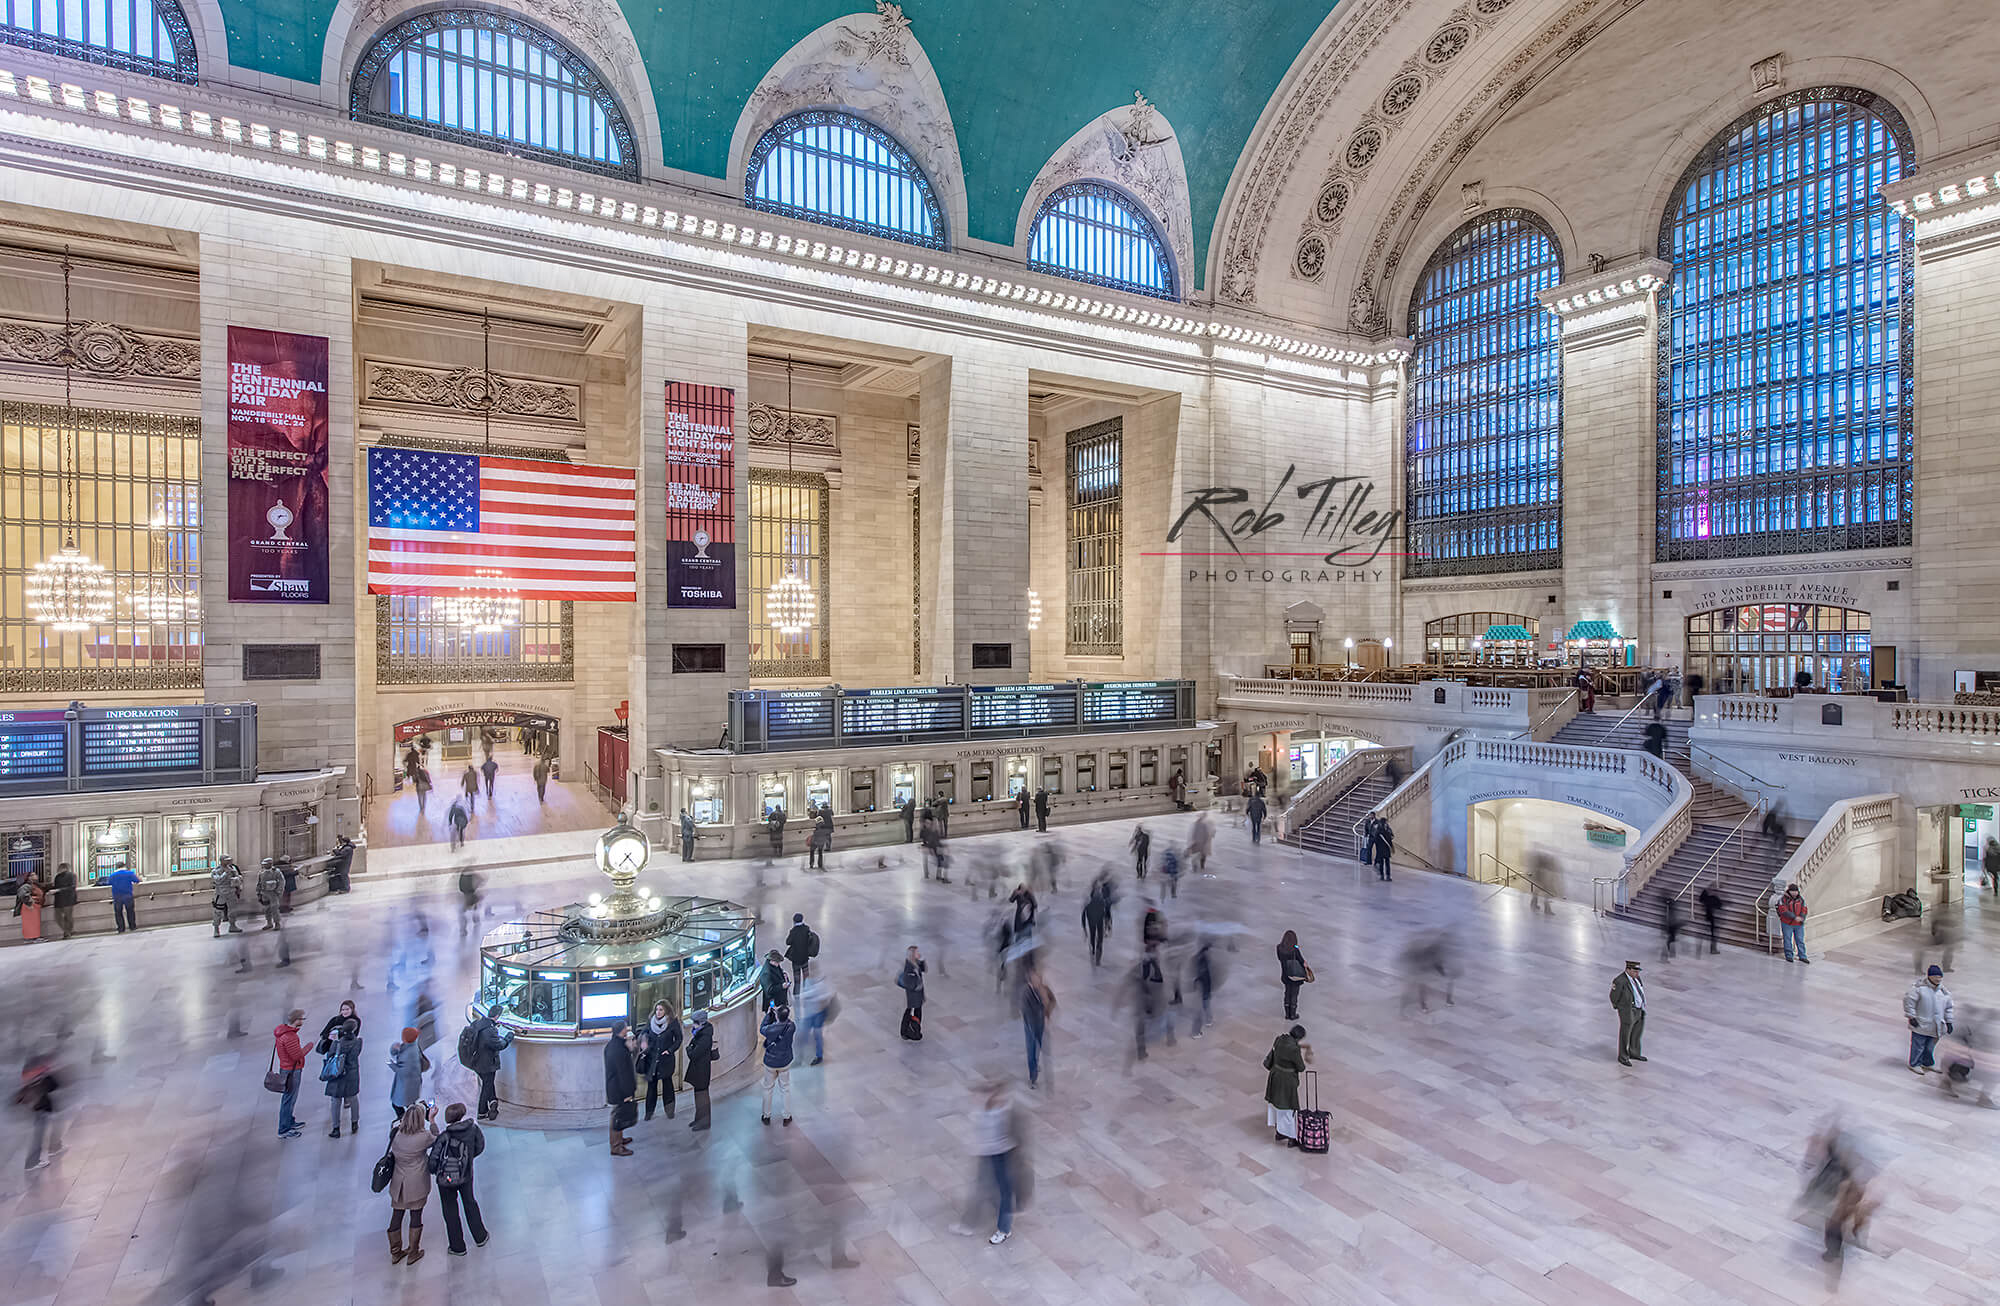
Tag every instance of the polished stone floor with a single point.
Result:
(1491, 1151)
(513, 812)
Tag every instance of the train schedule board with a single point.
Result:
(33, 745)
(1022, 709)
(1132, 704)
(906, 713)
(798, 716)
(138, 740)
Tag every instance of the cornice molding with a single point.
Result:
(1954, 207)
(103, 350)
(1608, 304)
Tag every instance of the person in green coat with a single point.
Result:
(1286, 1061)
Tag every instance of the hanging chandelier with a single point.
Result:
(790, 604)
(67, 591)
(1034, 611)
(487, 609)
(162, 594)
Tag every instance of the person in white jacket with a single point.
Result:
(1927, 1006)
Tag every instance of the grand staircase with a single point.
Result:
(1744, 860)
(1332, 831)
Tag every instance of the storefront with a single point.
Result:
(1749, 648)
(1597, 644)
(1461, 639)
(1311, 754)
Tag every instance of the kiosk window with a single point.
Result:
(1052, 774)
(1086, 772)
(27, 852)
(902, 785)
(292, 833)
(705, 802)
(1017, 775)
(982, 782)
(1115, 771)
(944, 783)
(861, 791)
(819, 788)
(1149, 767)
(771, 791)
(110, 846)
(192, 845)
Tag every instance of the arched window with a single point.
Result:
(1786, 346)
(1483, 474)
(834, 168)
(141, 36)
(1088, 231)
(489, 80)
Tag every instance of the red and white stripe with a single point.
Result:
(551, 530)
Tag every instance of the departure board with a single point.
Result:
(791, 717)
(32, 744)
(1012, 709)
(142, 742)
(921, 710)
(1139, 702)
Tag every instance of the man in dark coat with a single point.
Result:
(1097, 919)
(774, 825)
(1022, 802)
(1042, 810)
(1255, 810)
(687, 836)
(621, 1086)
(700, 1054)
(909, 807)
(771, 979)
(488, 1042)
(1628, 996)
(801, 944)
(64, 898)
(1385, 844)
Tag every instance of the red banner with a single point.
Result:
(279, 425)
(701, 496)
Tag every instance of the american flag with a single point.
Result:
(445, 523)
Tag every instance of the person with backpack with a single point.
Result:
(1038, 1007)
(479, 1047)
(701, 1056)
(340, 1072)
(288, 1058)
(459, 817)
(1791, 909)
(662, 1037)
(450, 1164)
(489, 770)
(1170, 866)
(801, 946)
(270, 888)
(911, 981)
(777, 1031)
(225, 890)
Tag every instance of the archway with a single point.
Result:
(525, 791)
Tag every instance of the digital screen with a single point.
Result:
(31, 744)
(1023, 707)
(865, 712)
(604, 1006)
(805, 717)
(144, 744)
(1133, 703)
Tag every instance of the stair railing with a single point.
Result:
(1756, 809)
(1536, 723)
(1396, 799)
(1827, 840)
(1755, 784)
(367, 796)
(1311, 802)
(1509, 873)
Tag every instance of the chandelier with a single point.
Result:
(1034, 611)
(790, 604)
(486, 609)
(162, 595)
(67, 591)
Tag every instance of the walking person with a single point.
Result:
(621, 1085)
(410, 1182)
(1170, 866)
(62, 895)
(1293, 972)
(1201, 840)
(468, 784)
(37, 1093)
(289, 1059)
(818, 1005)
(340, 1072)
(451, 1161)
(1255, 810)
(1928, 1008)
(999, 1132)
(1628, 997)
(777, 1031)
(541, 774)
(663, 1047)
(124, 884)
(488, 770)
(1038, 1007)
(911, 981)
(406, 1071)
(1670, 929)
(1149, 1008)
(459, 817)
(28, 899)
(1042, 811)
(801, 946)
(931, 836)
(687, 836)
(1989, 864)
(1283, 1064)
(421, 782)
(1142, 843)
(1384, 845)
(1097, 918)
(701, 1056)
(1791, 909)
(1711, 907)
(1201, 971)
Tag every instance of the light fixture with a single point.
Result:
(161, 596)
(1034, 611)
(790, 604)
(1388, 644)
(67, 591)
(488, 609)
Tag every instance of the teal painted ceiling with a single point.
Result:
(1020, 77)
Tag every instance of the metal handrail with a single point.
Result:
(1734, 830)
(1511, 872)
(1757, 784)
(1758, 920)
(367, 795)
(1533, 724)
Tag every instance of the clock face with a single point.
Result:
(626, 851)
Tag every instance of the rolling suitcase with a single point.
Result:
(1314, 1124)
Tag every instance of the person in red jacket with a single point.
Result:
(289, 1057)
(1792, 922)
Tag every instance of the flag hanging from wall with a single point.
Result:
(446, 523)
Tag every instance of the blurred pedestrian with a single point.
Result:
(1170, 866)
(421, 782)
(1149, 1006)
(909, 809)
(818, 1005)
(1038, 1007)
(1773, 828)
(1989, 864)
(1670, 929)
(1141, 845)
(37, 1093)
(340, 1071)
(801, 946)
(1542, 873)
(621, 1086)
(1937, 933)
(663, 1037)
(1284, 1063)
(541, 774)
(1202, 973)
(1656, 740)
(999, 1133)
(124, 884)
(62, 895)
(28, 899)
(1928, 1008)
(777, 1031)
(1200, 841)
(1628, 998)
(406, 1072)
(701, 1056)
(1254, 810)
(1097, 918)
(1428, 958)
(1025, 908)
(452, 1155)
(1293, 972)
(1791, 908)
(410, 1183)
(468, 784)
(488, 770)
(1712, 906)
(459, 816)
(911, 981)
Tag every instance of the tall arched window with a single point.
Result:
(141, 36)
(489, 80)
(1483, 469)
(1786, 351)
(831, 167)
(1088, 231)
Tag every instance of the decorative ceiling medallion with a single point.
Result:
(1493, 6)
(1332, 202)
(1402, 93)
(1447, 43)
(1363, 147)
(1310, 261)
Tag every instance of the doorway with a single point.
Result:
(527, 792)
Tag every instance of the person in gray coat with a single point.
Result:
(1928, 1008)
(344, 1041)
(406, 1072)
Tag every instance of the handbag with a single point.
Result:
(385, 1168)
(275, 1079)
(625, 1115)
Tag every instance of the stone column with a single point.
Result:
(1610, 326)
(974, 417)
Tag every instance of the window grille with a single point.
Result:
(1096, 598)
(418, 645)
(1786, 356)
(1483, 468)
(1755, 647)
(836, 169)
(141, 36)
(1448, 640)
(1088, 231)
(137, 478)
(493, 81)
(789, 514)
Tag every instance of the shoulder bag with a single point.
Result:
(275, 1079)
(385, 1168)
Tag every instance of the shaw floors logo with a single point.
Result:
(1347, 535)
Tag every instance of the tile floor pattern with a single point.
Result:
(1487, 1152)
(512, 813)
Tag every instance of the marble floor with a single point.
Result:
(513, 812)
(1491, 1151)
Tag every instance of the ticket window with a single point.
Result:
(1177, 760)
(194, 844)
(1116, 769)
(944, 782)
(27, 852)
(294, 833)
(1052, 774)
(819, 788)
(902, 785)
(109, 846)
(982, 782)
(771, 796)
(1086, 773)
(1149, 767)
(705, 802)
(861, 791)
(1017, 776)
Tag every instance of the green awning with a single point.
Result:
(1592, 630)
(1507, 632)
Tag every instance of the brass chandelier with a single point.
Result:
(67, 591)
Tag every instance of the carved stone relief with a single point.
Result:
(1133, 148)
(470, 390)
(809, 430)
(100, 349)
